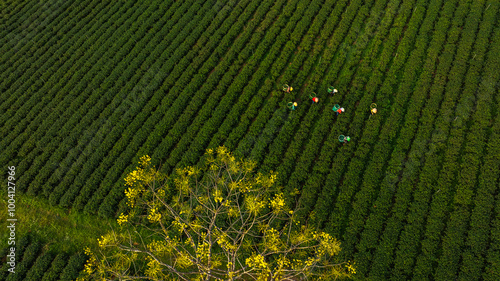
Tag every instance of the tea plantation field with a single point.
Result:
(88, 87)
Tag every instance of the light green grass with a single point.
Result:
(59, 228)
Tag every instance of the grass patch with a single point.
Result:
(60, 228)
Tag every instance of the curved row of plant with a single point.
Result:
(9, 9)
(422, 23)
(79, 115)
(376, 194)
(77, 129)
(294, 133)
(238, 82)
(132, 99)
(381, 207)
(34, 73)
(440, 206)
(210, 102)
(473, 151)
(284, 138)
(179, 154)
(131, 150)
(380, 131)
(36, 261)
(434, 99)
(114, 174)
(474, 259)
(17, 46)
(13, 120)
(57, 114)
(21, 244)
(366, 53)
(409, 246)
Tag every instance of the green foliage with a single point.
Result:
(74, 267)
(25, 261)
(89, 87)
(56, 268)
(219, 220)
(40, 266)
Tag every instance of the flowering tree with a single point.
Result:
(221, 221)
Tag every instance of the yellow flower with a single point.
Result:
(191, 171)
(254, 205)
(134, 176)
(273, 177)
(145, 160)
(328, 244)
(256, 261)
(309, 262)
(87, 251)
(183, 260)
(104, 240)
(233, 212)
(249, 165)
(122, 219)
(154, 269)
(217, 196)
(272, 239)
(162, 246)
(154, 216)
(222, 150)
(89, 268)
(278, 203)
(233, 185)
(132, 194)
(224, 243)
(351, 268)
(283, 262)
(188, 242)
(203, 251)
(180, 226)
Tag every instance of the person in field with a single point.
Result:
(340, 110)
(343, 139)
(332, 90)
(314, 99)
(373, 108)
(287, 88)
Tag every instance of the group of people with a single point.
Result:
(338, 110)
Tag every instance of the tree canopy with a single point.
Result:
(217, 221)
